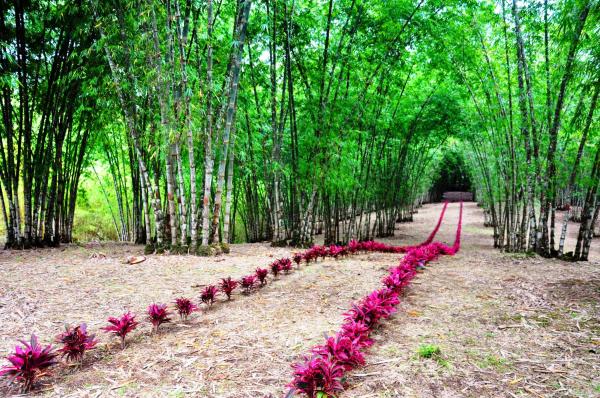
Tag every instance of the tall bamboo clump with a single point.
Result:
(527, 125)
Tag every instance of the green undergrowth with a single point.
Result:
(434, 352)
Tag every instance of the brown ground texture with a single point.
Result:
(506, 325)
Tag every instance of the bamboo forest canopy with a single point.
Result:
(204, 122)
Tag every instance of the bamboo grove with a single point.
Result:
(533, 76)
(236, 120)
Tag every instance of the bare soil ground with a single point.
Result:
(507, 325)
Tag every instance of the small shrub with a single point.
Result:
(29, 363)
(345, 351)
(323, 251)
(353, 246)
(76, 341)
(225, 248)
(358, 332)
(204, 251)
(121, 326)
(308, 257)
(158, 314)
(227, 286)
(184, 307)
(209, 294)
(335, 251)
(377, 305)
(275, 268)
(285, 264)
(315, 252)
(216, 249)
(298, 258)
(317, 377)
(149, 248)
(248, 282)
(261, 274)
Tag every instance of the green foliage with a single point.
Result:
(355, 113)
(432, 351)
(94, 212)
(429, 351)
(205, 251)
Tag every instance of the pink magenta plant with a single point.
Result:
(209, 295)
(285, 264)
(322, 251)
(399, 277)
(353, 246)
(275, 268)
(377, 305)
(227, 286)
(309, 256)
(248, 282)
(315, 252)
(261, 274)
(335, 251)
(185, 307)
(297, 257)
(317, 377)
(122, 326)
(29, 363)
(343, 350)
(437, 226)
(75, 342)
(157, 315)
(357, 331)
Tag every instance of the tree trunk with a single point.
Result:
(230, 112)
(208, 151)
(227, 220)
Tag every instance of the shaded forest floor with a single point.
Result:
(507, 325)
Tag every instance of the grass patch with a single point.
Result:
(429, 351)
(493, 362)
(432, 351)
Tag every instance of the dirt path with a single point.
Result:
(506, 325)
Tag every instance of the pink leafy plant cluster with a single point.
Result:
(121, 326)
(321, 371)
(75, 342)
(261, 274)
(157, 315)
(248, 283)
(29, 363)
(209, 295)
(320, 374)
(185, 307)
(227, 286)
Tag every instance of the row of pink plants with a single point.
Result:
(31, 361)
(321, 371)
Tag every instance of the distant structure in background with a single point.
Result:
(457, 196)
(452, 182)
